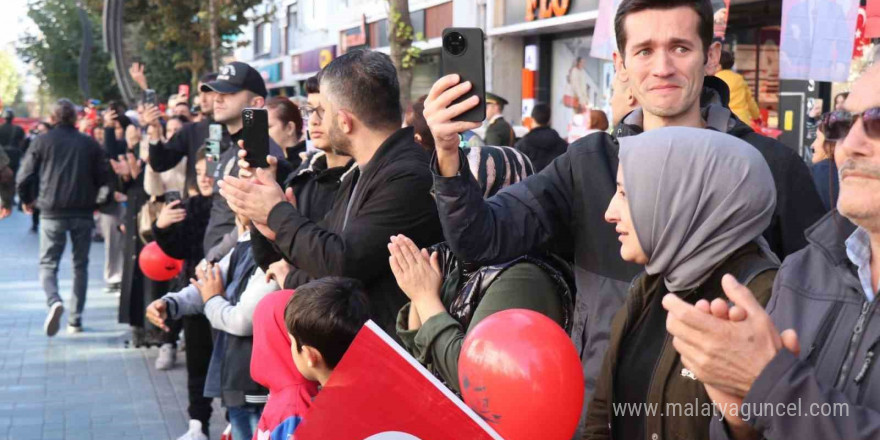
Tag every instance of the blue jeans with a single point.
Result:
(244, 420)
(53, 238)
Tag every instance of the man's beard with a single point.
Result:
(339, 142)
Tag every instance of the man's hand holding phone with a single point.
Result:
(152, 117)
(440, 112)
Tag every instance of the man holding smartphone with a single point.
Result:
(665, 51)
(236, 87)
(388, 193)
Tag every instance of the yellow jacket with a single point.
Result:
(742, 104)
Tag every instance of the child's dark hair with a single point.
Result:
(327, 314)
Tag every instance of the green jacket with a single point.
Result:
(500, 134)
(437, 343)
(669, 388)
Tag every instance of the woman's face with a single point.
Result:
(619, 214)
(818, 147)
(280, 132)
(203, 180)
(172, 127)
(132, 136)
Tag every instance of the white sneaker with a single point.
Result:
(195, 432)
(167, 357)
(53, 319)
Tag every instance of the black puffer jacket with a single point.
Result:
(64, 168)
(542, 145)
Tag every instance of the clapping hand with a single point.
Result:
(418, 275)
(208, 281)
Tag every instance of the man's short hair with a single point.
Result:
(327, 314)
(703, 8)
(313, 85)
(541, 114)
(365, 82)
(9, 115)
(64, 112)
(727, 60)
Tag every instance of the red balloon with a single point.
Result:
(520, 372)
(157, 265)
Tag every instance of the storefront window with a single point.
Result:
(756, 54)
(579, 84)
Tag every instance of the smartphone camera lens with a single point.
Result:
(454, 43)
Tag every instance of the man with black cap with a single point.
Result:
(499, 132)
(237, 86)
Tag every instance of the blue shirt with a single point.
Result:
(858, 249)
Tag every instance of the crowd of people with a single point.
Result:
(689, 258)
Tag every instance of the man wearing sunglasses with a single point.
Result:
(818, 376)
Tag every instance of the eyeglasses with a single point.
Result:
(308, 111)
(837, 124)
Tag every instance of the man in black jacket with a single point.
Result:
(314, 185)
(238, 86)
(543, 143)
(388, 194)
(665, 50)
(187, 141)
(66, 168)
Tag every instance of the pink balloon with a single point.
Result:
(520, 372)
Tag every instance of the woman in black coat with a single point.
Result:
(136, 291)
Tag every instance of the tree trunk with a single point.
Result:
(401, 41)
(212, 18)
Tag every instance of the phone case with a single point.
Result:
(256, 136)
(470, 65)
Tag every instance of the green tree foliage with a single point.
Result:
(10, 82)
(172, 37)
(55, 51)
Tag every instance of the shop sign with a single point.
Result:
(271, 73)
(313, 60)
(356, 37)
(545, 9)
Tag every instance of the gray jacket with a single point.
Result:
(817, 293)
(235, 319)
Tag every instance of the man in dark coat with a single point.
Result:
(543, 143)
(64, 169)
(499, 132)
(388, 194)
(566, 202)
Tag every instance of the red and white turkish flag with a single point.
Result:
(379, 392)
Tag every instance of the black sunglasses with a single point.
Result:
(837, 124)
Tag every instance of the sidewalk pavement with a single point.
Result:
(87, 386)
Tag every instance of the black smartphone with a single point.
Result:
(150, 97)
(463, 53)
(171, 196)
(256, 136)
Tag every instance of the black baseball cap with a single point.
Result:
(235, 77)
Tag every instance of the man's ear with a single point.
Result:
(346, 121)
(620, 66)
(713, 58)
(258, 102)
